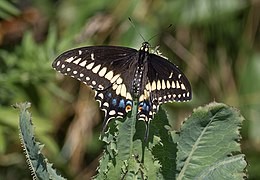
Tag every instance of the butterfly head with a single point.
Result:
(145, 47)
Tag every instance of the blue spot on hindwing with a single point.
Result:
(114, 102)
(128, 102)
(147, 108)
(122, 103)
(144, 106)
(109, 95)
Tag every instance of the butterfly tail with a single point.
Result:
(146, 135)
(104, 125)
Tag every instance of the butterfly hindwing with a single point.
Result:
(114, 106)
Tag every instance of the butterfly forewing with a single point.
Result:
(95, 66)
(104, 69)
(171, 83)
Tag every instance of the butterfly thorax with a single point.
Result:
(139, 72)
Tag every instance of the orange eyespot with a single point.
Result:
(140, 108)
(128, 108)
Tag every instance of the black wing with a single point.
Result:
(164, 83)
(106, 69)
(171, 83)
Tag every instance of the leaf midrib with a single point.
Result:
(186, 163)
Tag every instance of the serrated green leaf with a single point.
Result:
(103, 167)
(38, 164)
(164, 150)
(124, 144)
(208, 140)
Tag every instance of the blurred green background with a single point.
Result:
(214, 42)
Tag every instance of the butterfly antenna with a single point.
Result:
(153, 37)
(136, 29)
(158, 33)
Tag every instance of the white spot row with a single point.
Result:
(95, 69)
(162, 85)
(172, 97)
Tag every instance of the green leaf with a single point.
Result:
(124, 144)
(208, 145)
(164, 150)
(38, 164)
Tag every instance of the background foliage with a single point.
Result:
(215, 43)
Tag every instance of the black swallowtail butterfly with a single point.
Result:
(120, 75)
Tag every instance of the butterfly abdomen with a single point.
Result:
(137, 81)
